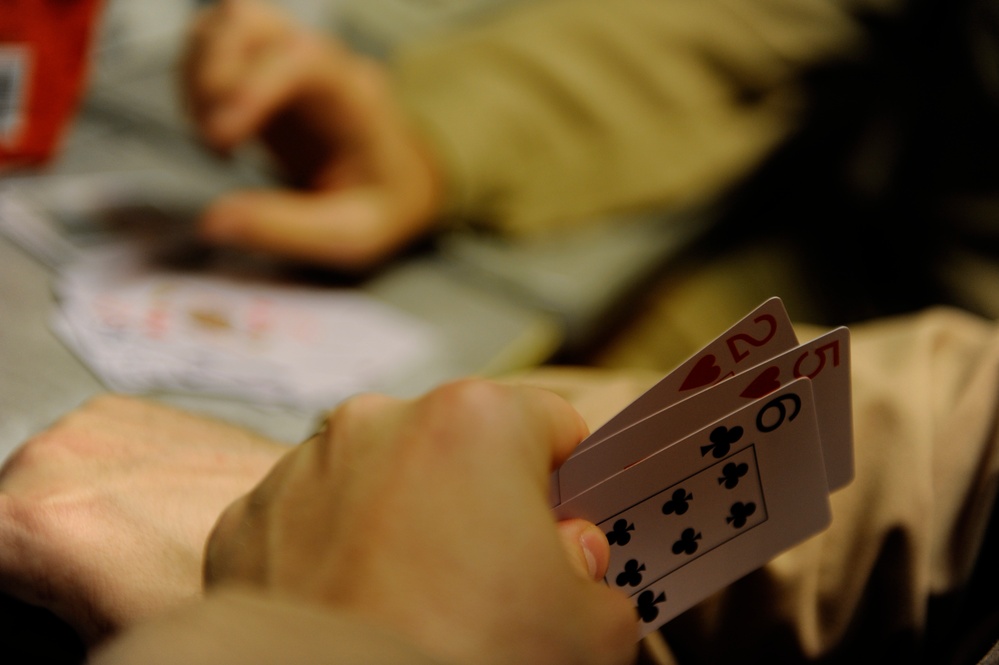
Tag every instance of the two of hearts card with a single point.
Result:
(722, 465)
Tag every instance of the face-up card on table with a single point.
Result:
(716, 505)
(761, 334)
(825, 360)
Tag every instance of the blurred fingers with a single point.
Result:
(235, 52)
(353, 229)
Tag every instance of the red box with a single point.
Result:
(44, 58)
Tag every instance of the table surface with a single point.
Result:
(482, 331)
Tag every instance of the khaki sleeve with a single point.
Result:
(905, 533)
(562, 109)
(247, 628)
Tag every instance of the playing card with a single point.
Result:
(140, 327)
(712, 507)
(761, 334)
(825, 360)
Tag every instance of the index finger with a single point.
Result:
(226, 42)
(535, 426)
(566, 426)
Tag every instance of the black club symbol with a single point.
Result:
(618, 534)
(722, 439)
(739, 512)
(687, 543)
(731, 474)
(632, 573)
(679, 503)
(647, 601)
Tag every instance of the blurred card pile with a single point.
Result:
(142, 305)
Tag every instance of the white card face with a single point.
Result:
(140, 327)
(761, 334)
(714, 506)
(825, 360)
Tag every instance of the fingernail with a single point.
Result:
(588, 541)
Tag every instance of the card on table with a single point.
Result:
(825, 360)
(141, 326)
(713, 506)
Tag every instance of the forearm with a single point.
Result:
(566, 108)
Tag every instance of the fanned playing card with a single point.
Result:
(824, 360)
(761, 334)
(712, 507)
(722, 465)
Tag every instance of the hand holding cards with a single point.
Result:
(423, 516)
(723, 464)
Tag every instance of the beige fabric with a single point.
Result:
(697, 300)
(925, 391)
(591, 106)
(242, 627)
(925, 394)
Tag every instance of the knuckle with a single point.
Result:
(467, 402)
(38, 520)
(21, 514)
(42, 450)
(471, 394)
(358, 408)
(69, 435)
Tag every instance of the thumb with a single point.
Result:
(345, 229)
(586, 546)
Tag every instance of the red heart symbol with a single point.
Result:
(764, 384)
(704, 372)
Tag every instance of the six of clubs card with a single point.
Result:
(722, 465)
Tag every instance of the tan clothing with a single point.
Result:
(567, 108)
(908, 528)
(246, 628)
